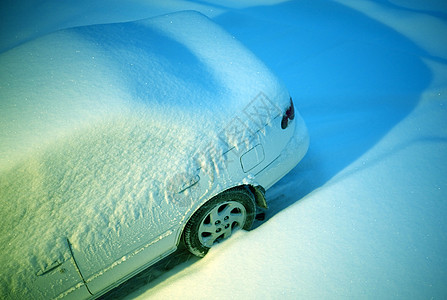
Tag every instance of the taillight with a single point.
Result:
(288, 116)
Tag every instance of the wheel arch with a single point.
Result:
(257, 191)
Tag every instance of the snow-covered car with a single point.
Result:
(120, 141)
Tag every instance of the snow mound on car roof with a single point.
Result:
(92, 116)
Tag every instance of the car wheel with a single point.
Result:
(218, 218)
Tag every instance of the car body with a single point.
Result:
(119, 138)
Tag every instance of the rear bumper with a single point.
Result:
(289, 157)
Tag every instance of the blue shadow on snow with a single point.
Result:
(352, 79)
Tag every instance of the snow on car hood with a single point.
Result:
(92, 117)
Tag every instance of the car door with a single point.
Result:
(135, 244)
(61, 278)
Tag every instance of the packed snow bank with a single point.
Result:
(28, 19)
(95, 119)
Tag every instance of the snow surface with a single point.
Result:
(363, 215)
(96, 124)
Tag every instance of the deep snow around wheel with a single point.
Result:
(363, 215)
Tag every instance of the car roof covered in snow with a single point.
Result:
(93, 112)
(177, 70)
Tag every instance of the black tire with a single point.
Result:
(218, 218)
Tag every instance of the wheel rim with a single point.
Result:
(220, 223)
